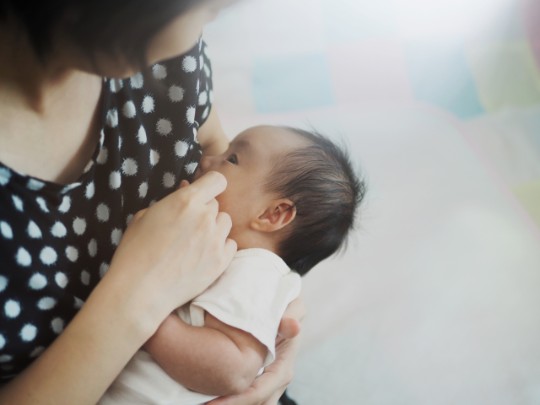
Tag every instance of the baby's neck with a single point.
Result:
(256, 240)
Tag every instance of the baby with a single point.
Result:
(292, 197)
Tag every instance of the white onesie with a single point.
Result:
(251, 295)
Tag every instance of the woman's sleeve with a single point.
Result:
(206, 94)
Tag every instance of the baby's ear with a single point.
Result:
(276, 216)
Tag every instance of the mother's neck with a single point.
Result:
(28, 81)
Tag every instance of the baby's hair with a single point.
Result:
(326, 192)
(118, 28)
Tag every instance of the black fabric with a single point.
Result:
(286, 400)
(56, 241)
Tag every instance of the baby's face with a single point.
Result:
(246, 164)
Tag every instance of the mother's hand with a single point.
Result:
(269, 386)
(174, 250)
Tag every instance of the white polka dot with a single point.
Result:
(2, 341)
(35, 185)
(17, 202)
(33, 230)
(61, 279)
(37, 351)
(129, 109)
(164, 126)
(12, 308)
(129, 167)
(115, 85)
(79, 225)
(77, 302)
(90, 190)
(102, 212)
(190, 115)
(148, 104)
(57, 325)
(191, 167)
(66, 204)
(72, 253)
(6, 230)
(85, 277)
(143, 189)
(207, 70)
(203, 98)
(42, 204)
(137, 81)
(176, 94)
(141, 135)
(3, 283)
(181, 148)
(129, 218)
(201, 62)
(5, 358)
(28, 332)
(23, 257)
(120, 142)
(70, 187)
(88, 166)
(197, 86)
(115, 180)
(103, 268)
(58, 230)
(102, 156)
(112, 118)
(92, 248)
(154, 157)
(116, 235)
(37, 282)
(189, 64)
(46, 303)
(159, 72)
(48, 256)
(5, 176)
(168, 180)
(205, 113)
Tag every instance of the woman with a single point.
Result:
(80, 158)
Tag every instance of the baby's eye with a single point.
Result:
(233, 159)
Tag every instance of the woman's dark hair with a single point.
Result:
(119, 28)
(322, 184)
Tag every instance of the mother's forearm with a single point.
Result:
(84, 360)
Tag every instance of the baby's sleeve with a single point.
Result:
(251, 296)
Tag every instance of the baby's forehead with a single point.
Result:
(273, 138)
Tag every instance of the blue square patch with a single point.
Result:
(440, 75)
(292, 82)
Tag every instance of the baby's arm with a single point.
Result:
(215, 359)
(211, 136)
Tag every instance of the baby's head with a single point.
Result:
(290, 191)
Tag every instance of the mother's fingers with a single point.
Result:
(288, 328)
(213, 207)
(224, 223)
(208, 186)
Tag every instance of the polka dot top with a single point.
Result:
(56, 241)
